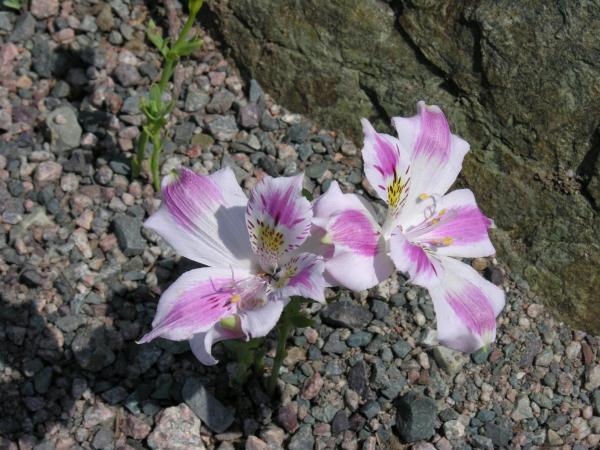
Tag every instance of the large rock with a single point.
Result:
(519, 80)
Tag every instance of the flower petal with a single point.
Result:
(458, 228)
(437, 154)
(195, 302)
(466, 307)
(202, 218)
(357, 274)
(201, 343)
(424, 270)
(278, 218)
(386, 165)
(355, 255)
(258, 322)
(302, 275)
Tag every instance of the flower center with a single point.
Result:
(422, 234)
(282, 277)
(270, 239)
(396, 192)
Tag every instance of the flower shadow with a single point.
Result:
(69, 373)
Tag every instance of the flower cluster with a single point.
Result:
(262, 250)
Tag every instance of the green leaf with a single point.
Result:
(301, 321)
(194, 6)
(13, 4)
(186, 48)
(307, 195)
(158, 41)
(155, 94)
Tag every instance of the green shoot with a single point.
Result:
(13, 4)
(156, 110)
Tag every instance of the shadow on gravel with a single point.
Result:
(76, 372)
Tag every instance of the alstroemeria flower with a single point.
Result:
(424, 229)
(250, 248)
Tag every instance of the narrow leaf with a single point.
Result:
(187, 48)
(155, 37)
(301, 321)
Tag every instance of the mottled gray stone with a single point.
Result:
(127, 231)
(223, 128)
(206, 406)
(91, 349)
(346, 314)
(415, 418)
(302, 439)
(177, 428)
(65, 131)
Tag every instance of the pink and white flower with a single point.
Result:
(424, 230)
(251, 248)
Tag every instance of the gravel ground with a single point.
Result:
(80, 278)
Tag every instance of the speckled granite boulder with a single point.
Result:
(519, 80)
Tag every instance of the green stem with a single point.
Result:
(284, 331)
(170, 62)
(155, 160)
(165, 77)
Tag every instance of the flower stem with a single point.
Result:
(284, 331)
(156, 124)
(155, 159)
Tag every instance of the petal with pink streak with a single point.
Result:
(201, 343)
(355, 255)
(302, 275)
(202, 218)
(195, 302)
(278, 218)
(437, 154)
(456, 228)
(386, 165)
(423, 268)
(466, 307)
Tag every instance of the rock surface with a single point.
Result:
(79, 286)
(177, 428)
(518, 80)
(214, 414)
(415, 417)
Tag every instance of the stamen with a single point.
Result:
(235, 298)
(394, 191)
(424, 196)
(447, 241)
(284, 275)
(229, 322)
(327, 239)
(270, 239)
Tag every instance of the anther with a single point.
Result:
(327, 239)
(229, 322)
